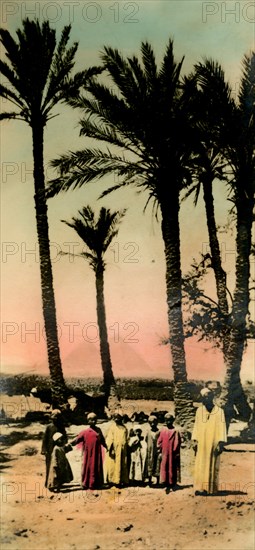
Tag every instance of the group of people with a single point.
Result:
(118, 459)
(123, 458)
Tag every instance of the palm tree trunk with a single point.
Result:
(233, 394)
(108, 377)
(220, 275)
(184, 410)
(58, 387)
(234, 340)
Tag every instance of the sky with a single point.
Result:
(135, 275)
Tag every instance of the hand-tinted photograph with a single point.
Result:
(128, 283)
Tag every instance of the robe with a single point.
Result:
(138, 454)
(169, 442)
(60, 470)
(91, 441)
(209, 430)
(152, 460)
(48, 444)
(116, 469)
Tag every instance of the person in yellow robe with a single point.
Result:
(209, 434)
(116, 468)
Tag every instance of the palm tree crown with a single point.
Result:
(96, 234)
(145, 116)
(38, 70)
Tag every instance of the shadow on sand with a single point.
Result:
(15, 437)
(4, 459)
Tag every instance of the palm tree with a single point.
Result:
(38, 70)
(97, 236)
(236, 136)
(209, 165)
(147, 121)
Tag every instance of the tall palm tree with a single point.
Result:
(38, 71)
(209, 165)
(146, 120)
(236, 136)
(97, 236)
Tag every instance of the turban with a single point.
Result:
(57, 436)
(168, 416)
(55, 412)
(91, 416)
(205, 391)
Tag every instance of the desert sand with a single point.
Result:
(133, 518)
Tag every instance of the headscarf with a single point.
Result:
(92, 416)
(55, 413)
(152, 418)
(205, 391)
(57, 436)
(169, 416)
(137, 427)
(117, 415)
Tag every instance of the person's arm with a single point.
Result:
(133, 443)
(67, 448)
(78, 439)
(110, 441)
(102, 439)
(159, 442)
(194, 436)
(177, 442)
(65, 438)
(220, 447)
(194, 447)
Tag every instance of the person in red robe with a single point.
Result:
(91, 441)
(169, 443)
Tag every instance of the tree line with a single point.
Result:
(168, 136)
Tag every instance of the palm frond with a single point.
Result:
(11, 116)
(92, 260)
(107, 109)
(113, 110)
(121, 74)
(138, 74)
(170, 71)
(11, 48)
(97, 234)
(81, 79)
(107, 225)
(149, 63)
(107, 134)
(84, 166)
(211, 78)
(16, 85)
(155, 204)
(10, 95)
(247, 95)
(192, 189)
(61, 65)
(112, 188)
(35, 62)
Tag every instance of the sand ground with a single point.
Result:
(136, 518)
